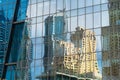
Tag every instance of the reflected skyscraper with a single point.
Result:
(55, 29)
(79, 60)
(110, 39)
(114, 12)
(25, 54)
(87, 62)
(73, 60)
(110, 54)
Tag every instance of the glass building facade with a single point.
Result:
(60, 39)
(15, 42)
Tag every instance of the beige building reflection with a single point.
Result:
(79, 55)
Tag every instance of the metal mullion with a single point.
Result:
(85, 38)
(35, 38)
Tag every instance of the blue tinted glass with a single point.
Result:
(7, 13)
(104, 6)
(22, 10)
(89, 10)
(81, 11)
(10, 74)
(8, 9)
(16, 42)
(97, 8)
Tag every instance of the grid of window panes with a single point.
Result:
(9, 16)
(74, 39)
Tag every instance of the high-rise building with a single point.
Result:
(15, 43)
(3, 35)
(56, 50)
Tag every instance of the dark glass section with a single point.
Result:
(3, 31)
(4, 35)
(17, 40)
(15, 44)
(22, 8)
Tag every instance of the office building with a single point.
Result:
(39, 39)
(14, 41)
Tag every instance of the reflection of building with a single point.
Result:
(79, 58)
(54, 29)
(82, 56)
(114, 12)
(25, 58)
(110, 43)
(110, 56)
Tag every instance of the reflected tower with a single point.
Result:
(114, 12)
(86, 41)
(55, 29)
(110, 43)
(110, 54)
(79, 57)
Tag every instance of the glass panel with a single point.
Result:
(39, 9)
(89, 10)
(33, 10)
(96, 2)
(89, 2)
(97, 20)
(81, 11)
(73, 4)
(81, 3)
(97, 8)
(82, 21)
(46, 7)
(60, 4)
(89, 21)
(105, 18)
(74, 13)
(104, 6)
(104, 1)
